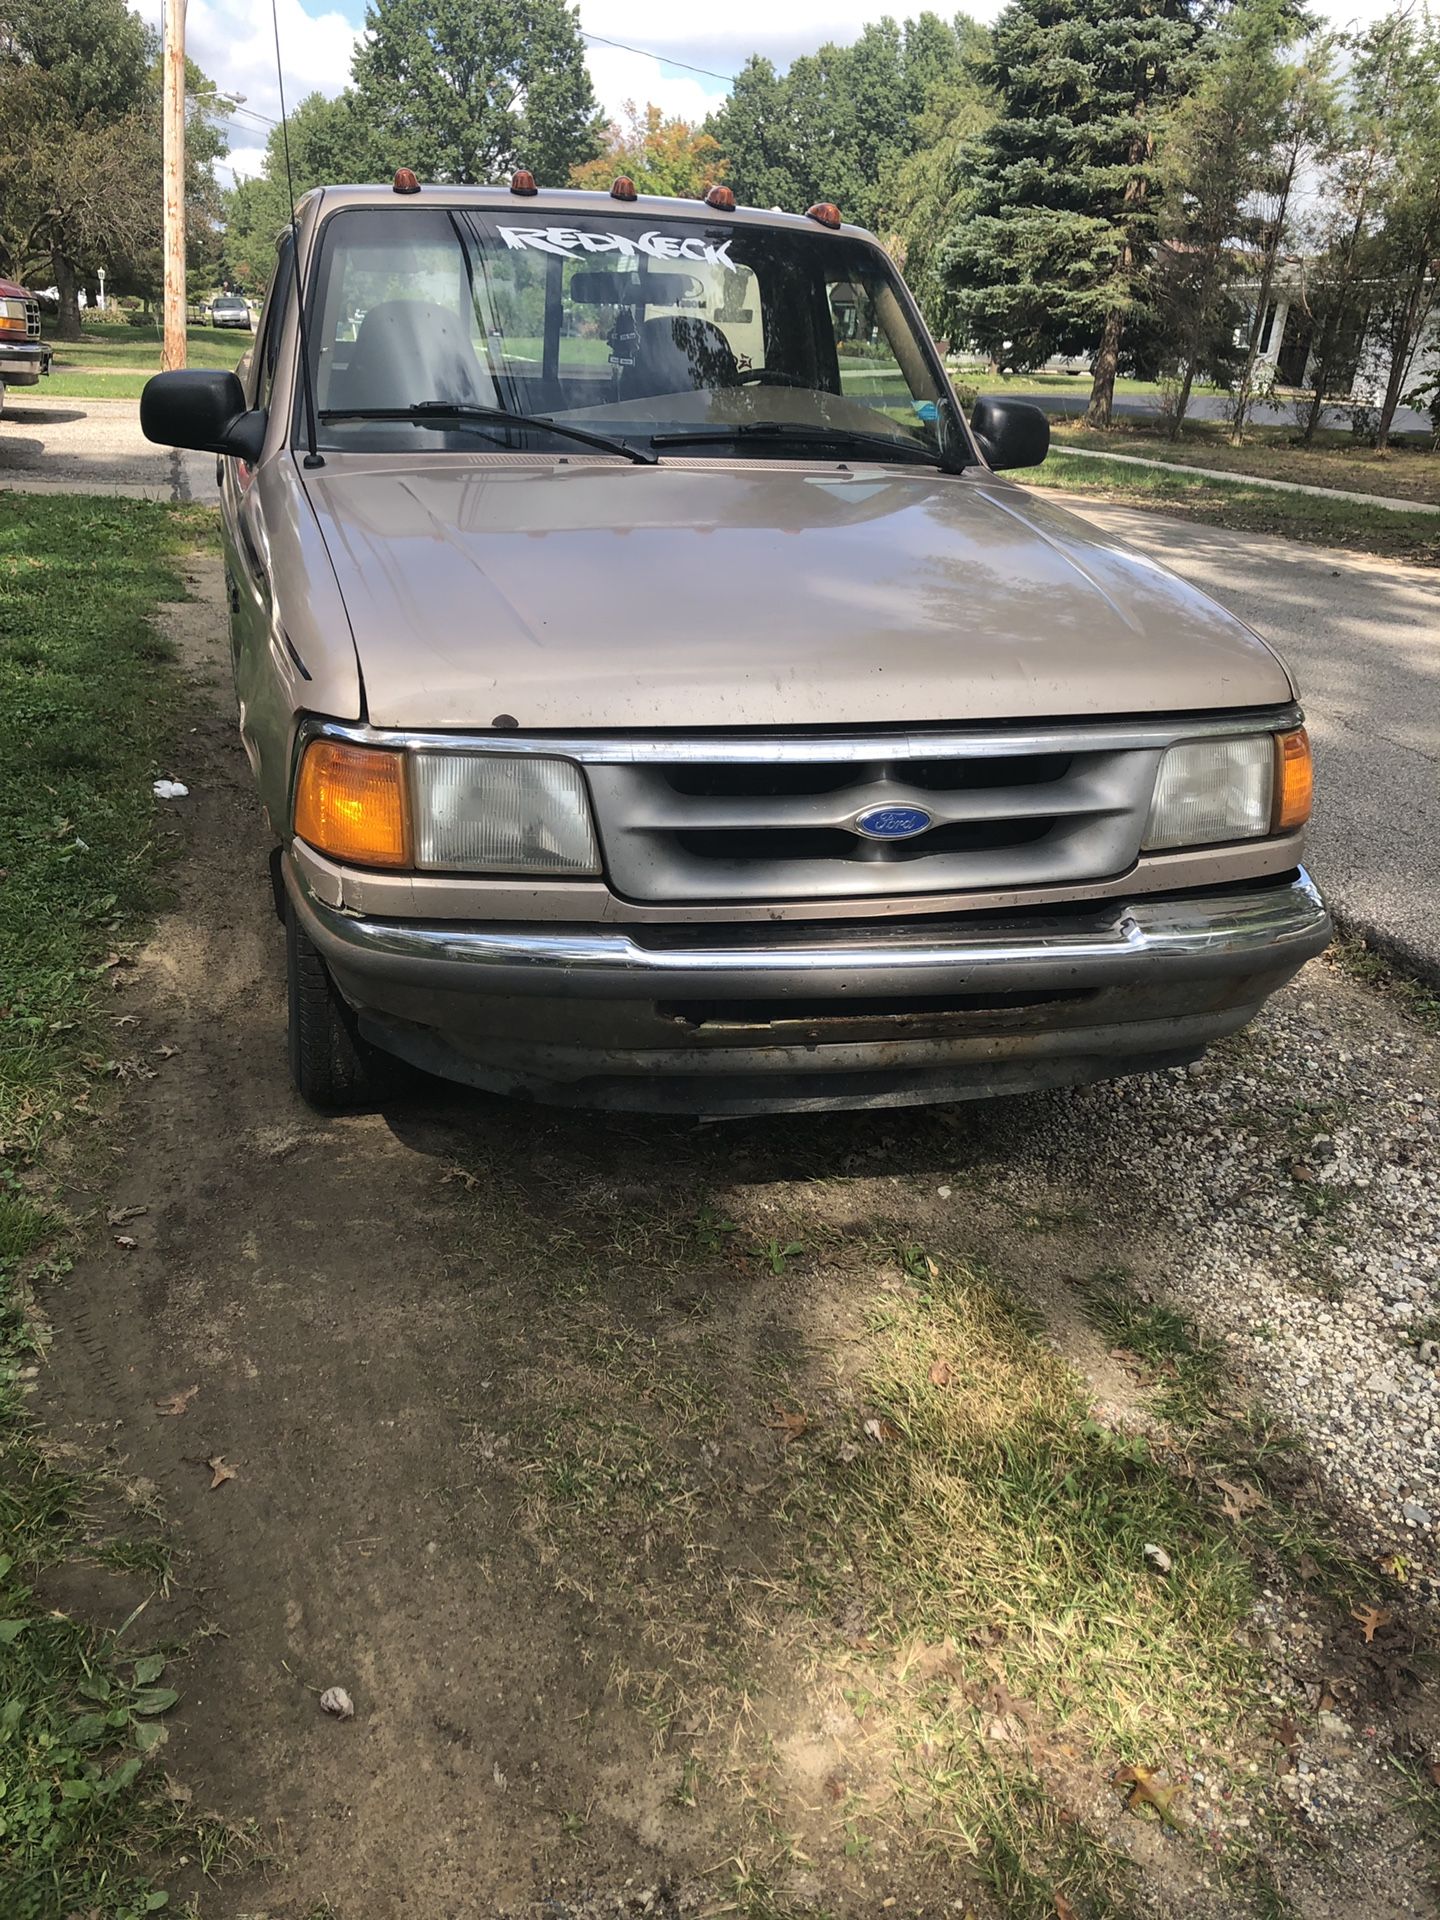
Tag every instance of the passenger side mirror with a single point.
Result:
(204, 410)
(1012, 433)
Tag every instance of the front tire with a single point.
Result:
(332, 1067)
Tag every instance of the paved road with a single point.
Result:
(61, 446)
(1363, 637)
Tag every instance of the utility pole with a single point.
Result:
(173, 351)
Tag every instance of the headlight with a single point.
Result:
(493, 813)
(444, 812)
(1212, 790)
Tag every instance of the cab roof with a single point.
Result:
(565, 200)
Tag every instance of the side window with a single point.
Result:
(869, 369)
(267, 347)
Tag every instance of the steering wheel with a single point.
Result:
(771, 377)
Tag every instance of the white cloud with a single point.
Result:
(620, 77)
(233, 42)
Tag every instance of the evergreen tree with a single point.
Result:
(1053, 250)
(467, 90)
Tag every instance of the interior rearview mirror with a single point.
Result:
(202, 409)
(1012, 433)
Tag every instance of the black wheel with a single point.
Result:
(333, 1068)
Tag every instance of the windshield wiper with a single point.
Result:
(777, 430)
(427, 411)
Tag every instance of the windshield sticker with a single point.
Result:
(570, 242)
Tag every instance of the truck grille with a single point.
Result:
(32, 319)
(762, 825)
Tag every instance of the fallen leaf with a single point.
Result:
(1158, 1557)
(1240, 1498)
(882, 1432)
(174, 1403)
(1287, 1734)
(789, 1422)
(221, 1472)
(1145, 1790)
(337, 1701)
(127, 1242)
(1309, 1567)
(847, 1452)
(167, 1052)
(835, 1788)
(1371, 1620)
(941, 1374)
(1305, 1175)
(931, 1268)
(1063, 1909)
(117, 1216)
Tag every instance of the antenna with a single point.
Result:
(312, 458)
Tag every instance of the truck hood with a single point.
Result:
(583, 596)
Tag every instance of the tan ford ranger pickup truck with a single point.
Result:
(659, 698)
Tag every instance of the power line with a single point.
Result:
(647, 53)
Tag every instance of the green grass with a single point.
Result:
(86, 703)
(943, 1534)
(1227, 503)
(80, 386)
(1407, 471)
(138, 348)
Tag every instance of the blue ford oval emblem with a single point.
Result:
(892, 823)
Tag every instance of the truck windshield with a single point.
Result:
(663, 330)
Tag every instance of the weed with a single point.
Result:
(775, 1254)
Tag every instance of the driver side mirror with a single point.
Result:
(204, 410)
(1012, 433)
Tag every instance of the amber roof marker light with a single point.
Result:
(522, 181)
(825, 211)
(721, 198)
(624, 189)
(405, 181)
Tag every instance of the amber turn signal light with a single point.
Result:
(1294, 780)
(405, 181)
(350, 804)
(825, 211)
(522, 181)
(721, 198)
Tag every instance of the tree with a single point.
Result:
(1352, 198)
(1053, 250)
(1217, 144)
(922, 190)
(75, 92)
(1408, 246)
(331, 141)
(1303, 131)
(661, 156)
(467, 90)
(754, 132)
(875, 127)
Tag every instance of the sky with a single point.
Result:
(232, 41)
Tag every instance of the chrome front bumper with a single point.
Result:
(753, 1016)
